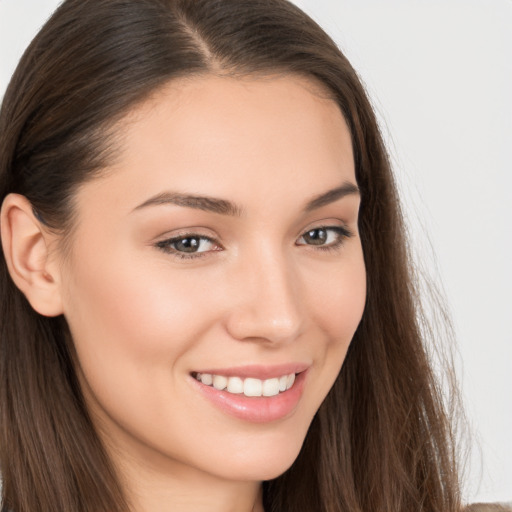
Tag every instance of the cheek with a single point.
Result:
(339, 302)
(338, 307)
(132, 328)
(127, 317)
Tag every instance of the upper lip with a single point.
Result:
(257, 371)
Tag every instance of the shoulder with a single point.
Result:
(489, 507)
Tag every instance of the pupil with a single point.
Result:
(187, 245)
(317, 236)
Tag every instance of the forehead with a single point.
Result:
(224, 136)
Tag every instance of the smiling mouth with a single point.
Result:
(249, 386)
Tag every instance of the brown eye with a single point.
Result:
(325, 237)
(316, 236)
(188, 245)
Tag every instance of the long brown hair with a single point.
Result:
(382, 439)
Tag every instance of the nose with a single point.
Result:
(267, 304)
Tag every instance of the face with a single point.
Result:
(221, 249)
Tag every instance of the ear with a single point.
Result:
(26, 243)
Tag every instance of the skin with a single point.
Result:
(142, 318)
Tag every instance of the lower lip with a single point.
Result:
(256, 409)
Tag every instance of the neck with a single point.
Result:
(183, 491)
(156, 483)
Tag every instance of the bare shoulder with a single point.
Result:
(489, 507)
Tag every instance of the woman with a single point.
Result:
(207, 302)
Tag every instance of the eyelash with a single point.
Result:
(166, 245)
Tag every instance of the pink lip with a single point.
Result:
(255, 409)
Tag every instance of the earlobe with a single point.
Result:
(25, 244)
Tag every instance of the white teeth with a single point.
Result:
(235, 385)
(206, 378)
(271, 387)
(220, 382)
(249, 386)
(253, 387)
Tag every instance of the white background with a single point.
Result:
(440, 76)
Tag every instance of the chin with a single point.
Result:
(260, 463)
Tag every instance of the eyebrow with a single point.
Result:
(224, 207)
(208, 204)
(331, 196)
